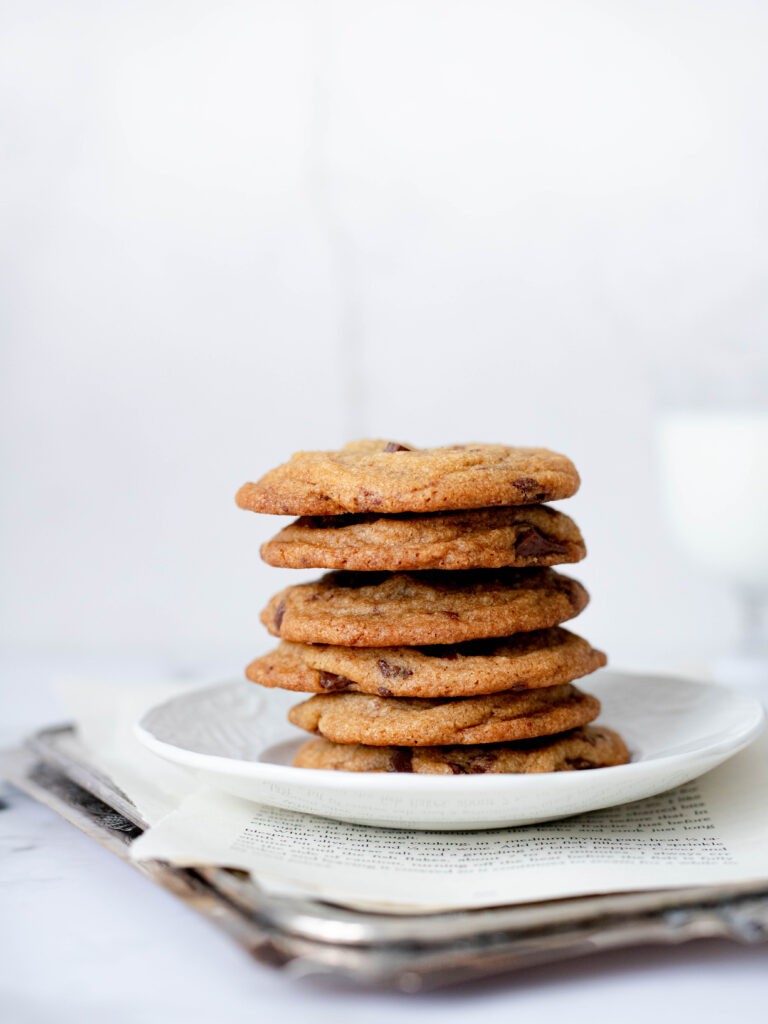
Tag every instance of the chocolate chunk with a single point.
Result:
(279, 613)
(477, 765)
(530, 489)
(393, 446)
(578, 763)
(532, 543)
(390, 671)
(483, 763)
(384, 691)
(401, 760)
(332, 683)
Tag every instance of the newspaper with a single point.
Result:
(710, 831)
(713, 830)
(105, 713)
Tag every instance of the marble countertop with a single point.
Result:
(85, 935)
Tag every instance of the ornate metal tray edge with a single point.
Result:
(306, 937)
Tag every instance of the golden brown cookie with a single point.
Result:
(525, 661)
(488, 538)
(591, 747)
(390, 609)
(384, 476)
(419, 722)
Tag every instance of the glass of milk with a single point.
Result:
(713, 449)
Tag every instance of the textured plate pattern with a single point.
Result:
(230, 718)
(238, 740)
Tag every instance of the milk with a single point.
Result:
(715, 483)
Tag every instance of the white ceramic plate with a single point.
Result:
(235, 736)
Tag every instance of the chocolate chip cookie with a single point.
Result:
(591, 747)
(385, 476)
(489, 538)
(389, 609)
(525, 661)
(422, 722)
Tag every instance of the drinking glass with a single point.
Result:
(713, 452)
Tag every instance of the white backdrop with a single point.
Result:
(235, 230)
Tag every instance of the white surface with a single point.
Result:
(236, 738)
(91, 938)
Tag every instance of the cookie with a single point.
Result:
(390, 609)
(524, 661)
(423, 722)
(384, 476)
(488, 538)
(591, 747)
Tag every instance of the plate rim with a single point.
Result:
(331, 779)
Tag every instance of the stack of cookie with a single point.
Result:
(435, 644)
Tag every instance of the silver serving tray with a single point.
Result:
(408, 952)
